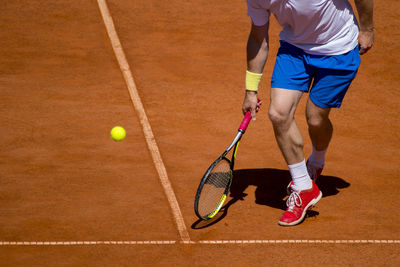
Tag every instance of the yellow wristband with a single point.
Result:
(252, 80)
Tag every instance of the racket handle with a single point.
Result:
(246, 120)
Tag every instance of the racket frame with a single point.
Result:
(234, 144)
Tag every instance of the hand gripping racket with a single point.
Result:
(215, 184)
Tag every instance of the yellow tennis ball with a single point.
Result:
(118, 133)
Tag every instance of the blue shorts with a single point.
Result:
(326, 78)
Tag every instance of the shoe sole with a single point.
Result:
(310, 205)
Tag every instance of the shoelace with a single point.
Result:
(294, 200)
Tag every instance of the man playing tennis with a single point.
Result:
(319, 53)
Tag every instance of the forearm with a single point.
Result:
(257, 53)
(365, 14)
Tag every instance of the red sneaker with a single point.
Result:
(298, 203)
(314, 172)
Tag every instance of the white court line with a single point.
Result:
(207, 242)
(151, 142)
(294, 241)
(86, 243)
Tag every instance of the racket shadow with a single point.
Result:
(270, 190)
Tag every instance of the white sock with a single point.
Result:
(300, 177)
(317, 157)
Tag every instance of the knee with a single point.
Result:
(317, 121)
(278, 116)
(314, 121)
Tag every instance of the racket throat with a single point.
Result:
(236, 140)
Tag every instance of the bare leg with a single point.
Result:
(320, 127)
(281, 113)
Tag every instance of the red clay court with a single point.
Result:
(70, 195)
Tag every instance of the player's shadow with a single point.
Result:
(270, 190)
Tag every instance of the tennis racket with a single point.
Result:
(215, 184)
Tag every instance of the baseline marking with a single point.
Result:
(148, 133)
(86, 243)
(206, 242)
(312, 241)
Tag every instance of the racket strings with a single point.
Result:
(214, 188)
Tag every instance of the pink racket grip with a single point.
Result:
(246, 120)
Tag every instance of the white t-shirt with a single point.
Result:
(319, 27)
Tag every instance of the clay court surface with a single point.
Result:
(69, 195)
